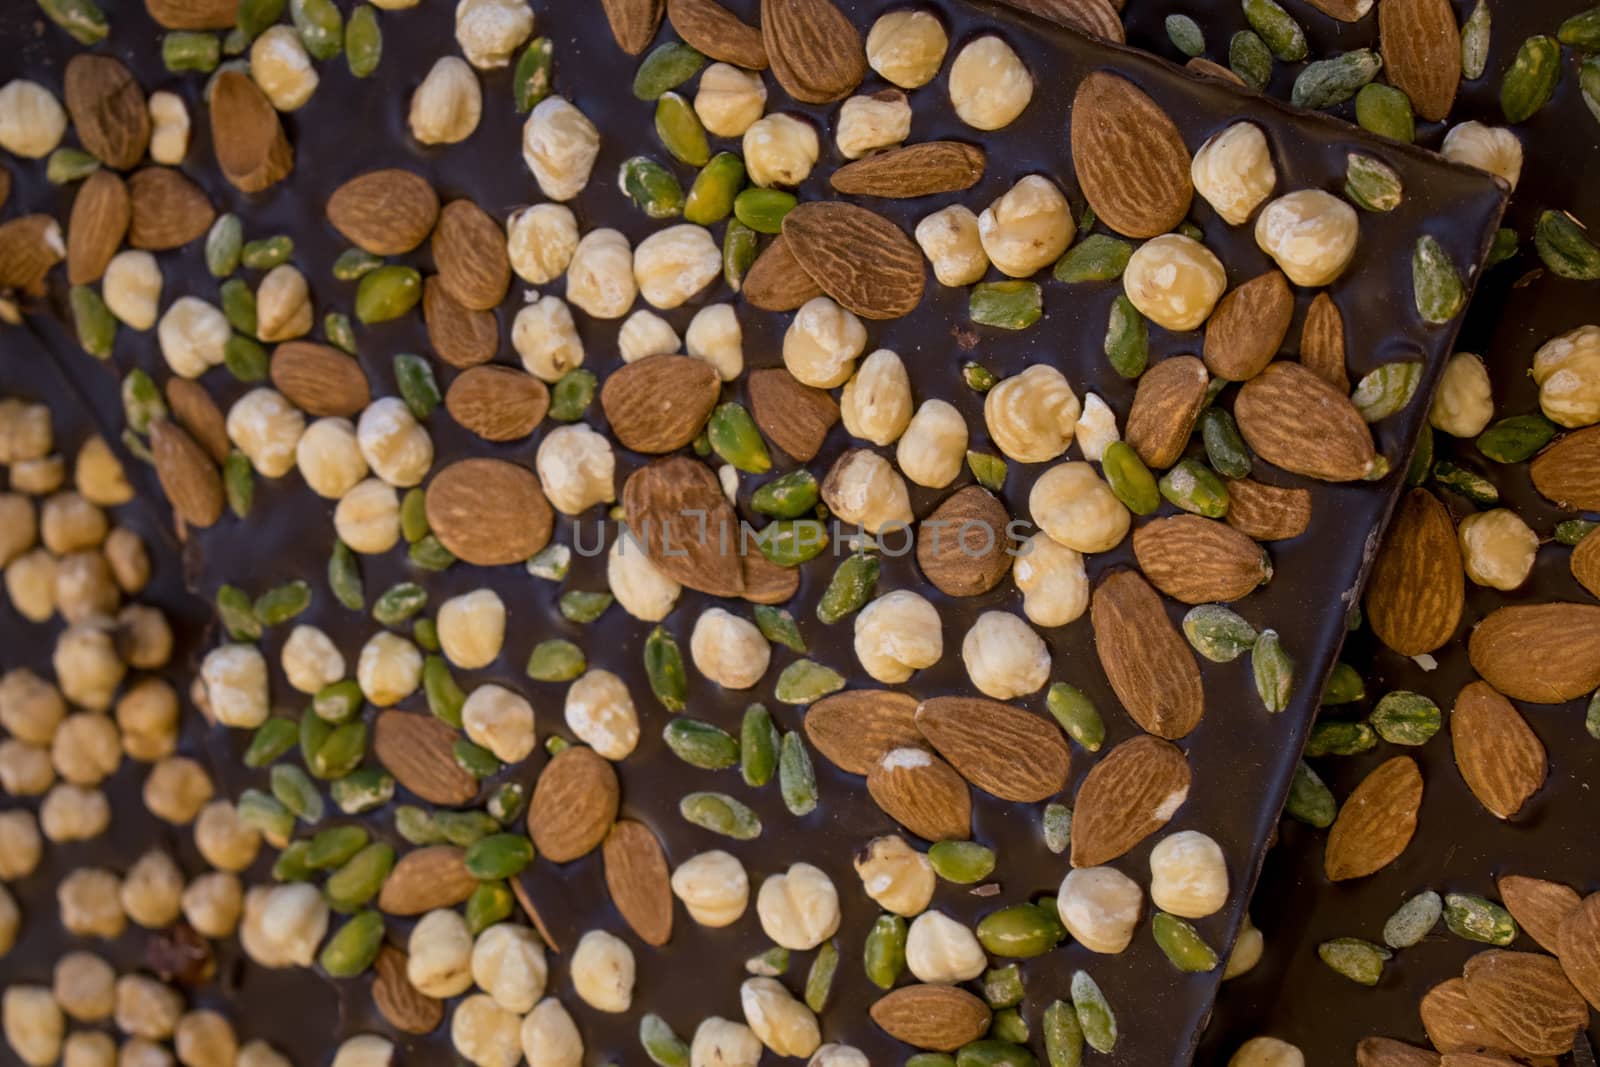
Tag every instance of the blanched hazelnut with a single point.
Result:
(212, 904)
(729, 650)
(144, 636)
(863, 488)
(139, 1052)
(176, 789)
(602, 971)
(89, 902)
(907, 47)
(1071, 504)
(934, 445)
(896, 876)
(898, 634)
(169, 128)
(1032, 415)
(472, 628)
(488, 31)
(293, 922)
(1100, 908)
(485, 1034)
(68, 522)
(549, 1036)
(989, 84)
(448, 105)
(941, 950)
(1498, 548)
(713, 887)
(39, 476)
(283, 304)
(395, 445)
(364, 1050)
(1188, 875)
(86, 749)
(252, 937)
(672, 265)
(508, 963)
(639, 585)
(720, 1042)
(576, 468)
(89, 1048)
(870, 122)
(599, 710)
(1052, 580)
(25, 431)
(367, 518)
(266, 427)
(32, 121)
(20, 844)
(130, 563)
(131, 288)
(329, 457)
(799, 909)
(1464, 403)
(280, 66)
(99, 476)
(84, 986)
(784, 1024)
(644, 333)
(1267, 1052)
(223, 839)
(1233, 171)
(780, 149)
(1004, 657)
(1247, 950)
(74, 813)
(729, 100)
(1567, 370)
(30, 707)
(952, 240)
(600, 277)
(499, 720)
(1028, 228)
(10, 921)
(192, 334)
(235, 678)
(1310, 233)
(389, 669)
(822, 343)
(715, 336)
(205, 1039)
(311, 660)
(559, 144)
(19, 526)
(31, 584)
(25, 769)
(1489, 148)
(540, 241)
(33, 1022)
(439, 954)
(87, 665)
(876, 403)
(1175, 281)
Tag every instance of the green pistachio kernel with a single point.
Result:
(787, 496)
(556, 660)
(1056, 825)
(1406, 718)
(386, 293)
(1360, 961)
(1094, 1013)
(664, 1047)
(266, 253)
(1183, 944)
(1345, 686)
(1127, 343)
(1077, 715)
(739, 246)
(362, 790)
(1218, 633)
(245, 359)
(399, 603)
(1531, 80)
(1185, 35)
(819, 980)
(1250, 58)
(1096, 258)
(1194, 487)
(534, 75)
(354, 946)
(1516, 439)
(806, 680)
(571, 396)
(1277, 28)
(1020, 931)
(1340, 737)
(270, 741)
(344, 577)
(961, 862)
(1063, 1035)
(224, 245)
(1386, 390)
(848, 591)
(667, 66)
(653, 188)
(701, 744)
(663, 663)
(721, 814)
(363, 41)
(337, 702)
(1413, 920)
(763, 210)
(1130, 480)
(498, 856)
(1007, 305)
(418, 388)
(884, 955)
(797, 778)
(680, 130)
(583, 607)
(1476, 918)
(1475, 41)
(355, 883)
(1310, 800)
(1386, 111)
(778, 626)
(492, 902)
(1273, 670)
(1475, 487)
(715, 192)
(758, 746)
(1329, 82)
(82, 19)
(989, 470)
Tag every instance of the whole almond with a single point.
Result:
(5, 186)
(108, 109)
(1343, 10)
(1541, 653)
(1585, 563)
(489, 512)
(677, 514)
(660, 403)
(29, 246)
(574, 804)
(406, 1008)
(1481, 1059)
(427, 878)
(100, 216)
(1416, 589)
(1200, 561)
(1453, 1025)
(638, 880)
(167, 210)
(1168, 400)
(1146, 660)
(188, 477)
(497, 403)
(461, 336)
(858, 257)
(1526, 997)
(923, 793)
(815, 50)
(765, 582)
(1540, 907)
(1578, 946)
(1499, 756)
(1004, 751)
(1568, 472)
(1322, 342)
(792, 415)
(1098, 18)
(469, 250)
(1248, 326)
(1421, 46)
(1267, 512)
(418, 750)
(776, 281)
(250, 144)
(963, 547)
(708, 27)
(1296, 421)
(520, 890)
(193, 14)
(1133, 791)
(386, 212)
(1386, 1052)
(197, 413)
(925, 169)
(1129, 156)
(1205, 68)
(853, 729)
(634, 22)
(941, 1018)
(1376, 822)
(320, 379)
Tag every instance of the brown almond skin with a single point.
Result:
(1578, 946)
(940, 1018)
(677, 513)
(1541, 653)
(320, 379)
(250, 144)
(574, 804)
(815, 50)
(1376, 822)
(1267, 512)
(197, 413)
(776, 281)
(638, 880)
(634, 22)
(930, 799)
(1585, 564)
(193, 14)
(1004, 751)
(461, 336)
(1097, 18)
(925, 169)
(1294, 420)
(1200, 561)
(1248, 326)
(167, 209)
(1343, 10)
(28, 251)
(1421, 46)
(188, 477)
(792, 415)
(1417, 588)
(765, 582)
(660, 403)
(108, 109)
(1205, 68)
(858, 257)
(386, 212)
(1131, 793)
(101, 213)
(416, 749)
(1168, 400)
(405, 1007)
(488, 511)
(1540, 907)
(708, 27)
(1386, 1052)
(1568, 471)
(1499, 756)
(853, 729)
(963, 547)
(1322, 342)
(1129, 156)
(497, 403)
(1146, 660)
(1526, 997)
(469, 250)
(427, 878)
(1453, 1025)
